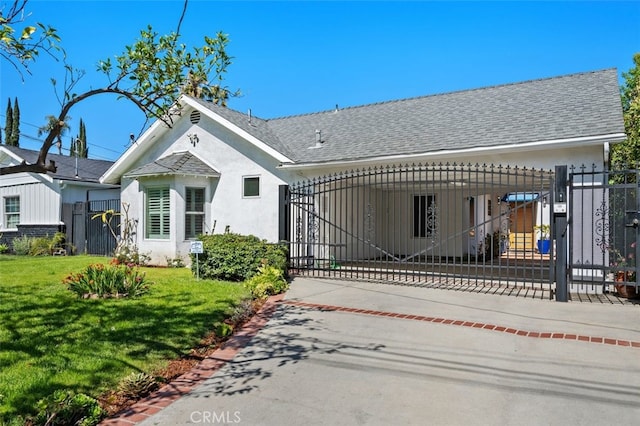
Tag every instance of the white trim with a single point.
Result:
(564, 143)
(237, 130)
(244, 179)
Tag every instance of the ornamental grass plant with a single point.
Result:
(100, 280)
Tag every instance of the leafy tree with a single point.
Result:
(53, 123)
(15, 131)
(627, 153)
(8, 126)
(18, 46)
(151, 73)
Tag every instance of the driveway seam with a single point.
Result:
(471, 324)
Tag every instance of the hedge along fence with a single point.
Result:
(235, 257)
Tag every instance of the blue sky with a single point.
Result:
(298, 57)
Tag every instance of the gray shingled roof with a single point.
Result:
(571, 106)
(88, 170)
(179, 163)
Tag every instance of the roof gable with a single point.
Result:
(178, 163)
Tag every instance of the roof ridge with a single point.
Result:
(475, 89)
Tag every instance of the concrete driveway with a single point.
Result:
(349, 353)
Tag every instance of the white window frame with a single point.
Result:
(164, 214)
(244, 186)
(9, 217)
(194, 214)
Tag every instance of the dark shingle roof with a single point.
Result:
(88, 170)
(179, 163)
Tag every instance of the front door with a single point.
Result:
(522, 221)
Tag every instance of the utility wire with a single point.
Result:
(34, 138)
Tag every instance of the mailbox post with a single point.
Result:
(560, 232)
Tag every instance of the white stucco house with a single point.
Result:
(216, 168)
(37, 204)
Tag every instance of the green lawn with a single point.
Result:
(50, 339)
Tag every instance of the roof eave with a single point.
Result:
(436, 155)
(144, 175)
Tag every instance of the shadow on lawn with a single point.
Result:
(50, 341)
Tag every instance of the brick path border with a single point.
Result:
(169, 393)
(460, 323)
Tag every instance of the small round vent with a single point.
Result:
(195, 117)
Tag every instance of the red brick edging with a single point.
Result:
(206, 368)
(491, 327)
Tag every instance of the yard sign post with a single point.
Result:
(197, 248)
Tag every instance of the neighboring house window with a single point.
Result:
(158, 212)
(423, 216)
(251, 186)
(194, 212)
(11, 212)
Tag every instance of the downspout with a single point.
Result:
(606, 155)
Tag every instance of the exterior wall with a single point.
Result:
(73, 193)
(234, 158)
(545, 159)
(39, 200)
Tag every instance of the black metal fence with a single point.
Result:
(604, 232)
(436, 224)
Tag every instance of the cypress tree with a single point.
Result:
(85, 148)
(79, 145)
(15, 132)
(8, 127)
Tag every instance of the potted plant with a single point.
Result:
(622, 268)
(544, 242)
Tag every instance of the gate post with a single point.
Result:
(284, 215)
(560, 232)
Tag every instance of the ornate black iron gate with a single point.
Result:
(436, 225)
(604, 233)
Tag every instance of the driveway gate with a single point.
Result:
(437, 225)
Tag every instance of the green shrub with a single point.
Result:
(223, 330)
(22, 245)
(175, 262)
(267, 282)
(3, 248)
(137, 385)
(44, 246)
(108, 281)
(235, 257)
(65, 408)
(242, 312)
